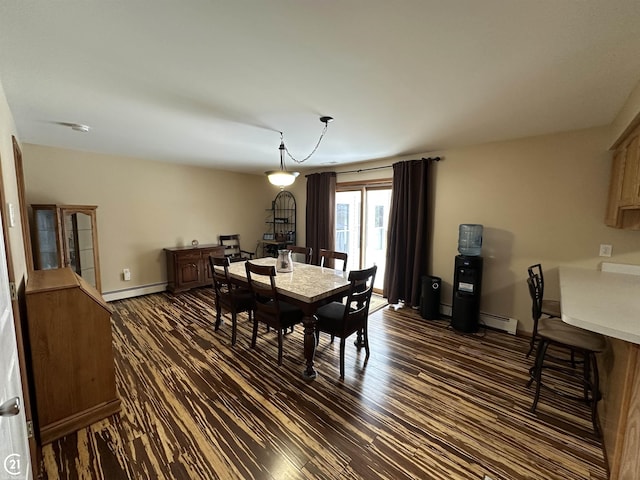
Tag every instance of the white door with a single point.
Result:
(15, 462)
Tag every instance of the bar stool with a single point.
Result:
(575, 340)
(551, 308)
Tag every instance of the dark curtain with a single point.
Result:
(408, 237)
(321, 207)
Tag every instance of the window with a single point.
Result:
(362, 218)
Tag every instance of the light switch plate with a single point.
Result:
(12, 215)
(605, 250)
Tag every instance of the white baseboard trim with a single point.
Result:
(134, 292)
(506, 324)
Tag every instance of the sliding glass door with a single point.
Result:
(362, 218)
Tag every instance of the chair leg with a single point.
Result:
(342, 342)
(255, 332)
(234, 325)
(366, 343)
(280, 330)
(218, 317)
(542, 351)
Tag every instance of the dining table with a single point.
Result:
(306, 287)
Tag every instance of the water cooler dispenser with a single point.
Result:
(467, 280)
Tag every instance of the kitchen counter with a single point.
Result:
(601, 301)
(607, 301)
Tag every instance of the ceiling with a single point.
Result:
(214, 82)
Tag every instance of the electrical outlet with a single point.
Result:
(126, 274)
(605, 250)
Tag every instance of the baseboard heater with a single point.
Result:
(498, 322)
(134, 292)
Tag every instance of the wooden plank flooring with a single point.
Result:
(430, 404)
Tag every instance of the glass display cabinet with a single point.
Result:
(281, 224)
(67, 236)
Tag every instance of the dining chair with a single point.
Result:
(344, 319)
(304, 252)
(229, 295)
(232, 248)
(329, 255)
(269, 308)
(564, 337)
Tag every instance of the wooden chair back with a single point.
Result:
(305, 252)
(358, 300)
(328, 257)
(232, 248)
(261, 279)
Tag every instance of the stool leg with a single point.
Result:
(586, 387)
(532, 344)
(542, 351)
(595, 393)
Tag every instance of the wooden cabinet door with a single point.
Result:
(613, 215)
(630, 194)
(188, 271)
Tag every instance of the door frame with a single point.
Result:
(18, 303)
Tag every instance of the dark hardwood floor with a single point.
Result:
(430, 404)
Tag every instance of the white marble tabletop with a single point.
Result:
(602, 302)
(307, 283)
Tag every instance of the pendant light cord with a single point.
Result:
(324, 130)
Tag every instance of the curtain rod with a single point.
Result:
(434, 159)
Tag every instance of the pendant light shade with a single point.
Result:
(283, 178)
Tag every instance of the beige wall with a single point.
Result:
(145, 206)
(540, 199)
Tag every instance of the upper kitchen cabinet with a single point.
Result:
(67, 236)
(623, 208)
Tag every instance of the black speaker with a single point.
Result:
(430, 298)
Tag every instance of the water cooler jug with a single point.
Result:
(467, 280)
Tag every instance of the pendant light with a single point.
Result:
(283, 178)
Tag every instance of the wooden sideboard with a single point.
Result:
(70, 344)
(188, 267)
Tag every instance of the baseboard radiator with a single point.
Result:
(498, 322)
(134, 292)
